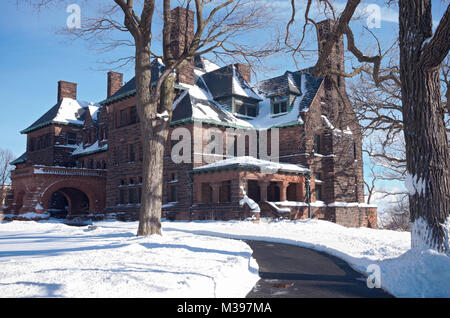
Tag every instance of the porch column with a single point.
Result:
(263, 185)
(215, 191)
(302, 190)
(283, 187)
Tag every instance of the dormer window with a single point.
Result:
(246, 108)
(280, 104)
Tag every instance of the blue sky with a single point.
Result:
(34, 58)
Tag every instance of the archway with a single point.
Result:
(273, 192)
(68, 199)
(76, 201)
(58, 205)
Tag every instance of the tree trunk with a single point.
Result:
(154, 130)
(424, 129)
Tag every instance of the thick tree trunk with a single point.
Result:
(154, 130)
(424, 129)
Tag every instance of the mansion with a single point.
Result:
(85, 159)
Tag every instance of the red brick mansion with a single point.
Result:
(85, 159)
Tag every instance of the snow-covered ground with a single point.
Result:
(45, 259)
(196, 259)
(403, 272)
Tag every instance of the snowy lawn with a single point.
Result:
(195, 259)
(48, 259)
(404, 272)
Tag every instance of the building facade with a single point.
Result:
(289, 146)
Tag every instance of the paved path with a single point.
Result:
(291, 271)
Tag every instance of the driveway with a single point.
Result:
(291, 271)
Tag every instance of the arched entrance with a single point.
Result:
(68, 202)
(68, 199)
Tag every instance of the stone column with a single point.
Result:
(283, 187)
(215, 191)
(263, 185)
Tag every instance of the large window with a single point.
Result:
(122, 196)
(246, 108)
(173, 193)
(318, 191)
(131, 196)
(317, 143)
(133, 115)
(280, 104)
(132, 152)
(123, 117)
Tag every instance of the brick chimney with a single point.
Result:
(244, 70)
(332, 106)
(66, 90)
(178, 33)
(336, 58)
(115, 82)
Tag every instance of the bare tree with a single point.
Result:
(427, 155)
(6, 156)
(217, 23)
(398, 217)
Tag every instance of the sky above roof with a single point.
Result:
(34, 58)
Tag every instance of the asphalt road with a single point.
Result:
(291, 271)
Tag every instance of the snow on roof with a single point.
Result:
(81, 150)
(265, 166)
(71, 111)
(204, 106)
(66, 111)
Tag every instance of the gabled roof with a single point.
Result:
(227, 81)
(199, 103)
(129, 89)
(66, 112)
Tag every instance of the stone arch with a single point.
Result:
(72, 190)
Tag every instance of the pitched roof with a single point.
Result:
(21, 159)
(66, 112)
(227, 81)
(200, 103)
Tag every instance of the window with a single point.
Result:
(31, 146)
(131, 180)
(173, 194)
(71, 139)
(354, 150)
(131, 196)
(133, 115)
(246, 108)
(123, 117)
(317, 143)
(173, 176)
(122, 196)
(280, 104)
(318, 192)
(132, 154)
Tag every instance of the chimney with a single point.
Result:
(179, 32)
(66, 90)
(115, 82)
(244, 70)
(336, 58)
